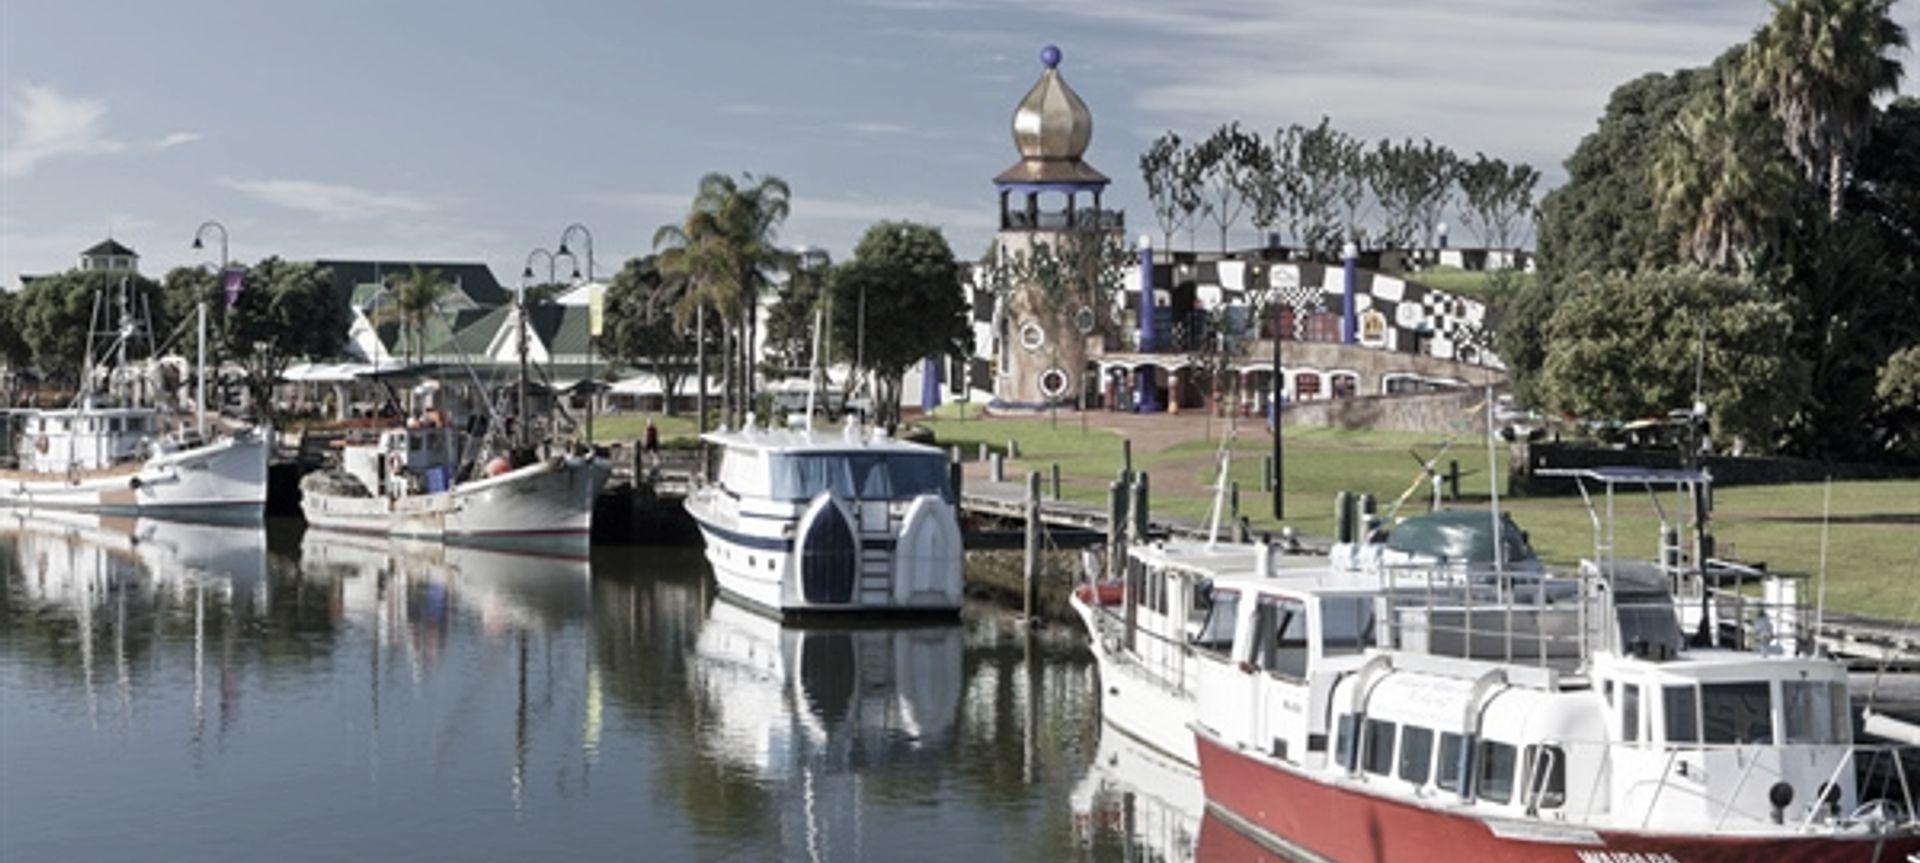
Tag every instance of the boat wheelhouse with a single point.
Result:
(799, 521)
(123, 460)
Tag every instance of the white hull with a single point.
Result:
(224, 476)
(1147, 705)
(546, 501)
(905, 563)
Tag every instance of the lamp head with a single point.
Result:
(196, 242)
(563, 248)
(527, 273)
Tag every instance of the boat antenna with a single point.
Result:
(1493, 489)
(1826, 526)
(1225, 460)
(813, 368)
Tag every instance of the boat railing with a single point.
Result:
(1169, 658)
(1883, 792)
(1527, 618)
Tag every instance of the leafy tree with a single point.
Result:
(1626, 346)
(1820, 64)
(1412, 184)
(1897, 385)
(1886, 178)
(1352, 177)
(727, 249)
(1315, 165)
(56, 314)
(1597, 222)
(790, 320)
(1719, 182)
(1498, 197)
(914, 305)
(13, 348)
(642, 327)
(1228, 163)
(1172, 197)
(414, 303)
(288, 311)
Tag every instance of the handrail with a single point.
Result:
(1654, 801)
(1833, 780)
(1737, 786)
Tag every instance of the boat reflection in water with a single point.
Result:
(1140, 800)
(505, 590)
(96, 572)
(815, 711)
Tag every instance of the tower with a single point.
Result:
(1044, 329)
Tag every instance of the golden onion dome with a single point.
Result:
(1052, 129)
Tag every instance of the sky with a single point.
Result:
(441, 130)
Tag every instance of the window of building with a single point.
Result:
(1345, 386)
(1416, 754)
(1306, 385)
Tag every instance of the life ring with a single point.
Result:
(396, 463)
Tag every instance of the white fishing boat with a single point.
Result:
(116, 452)
(1407, 714)
(428, 480)
(802, 521)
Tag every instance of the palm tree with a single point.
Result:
(1820, 64)
(727, 251)
(1716, 179)
(414, 302)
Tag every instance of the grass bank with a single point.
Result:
(1873, 563)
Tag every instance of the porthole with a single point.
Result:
(1084, 320)
(1031, 336)
(1053, 383)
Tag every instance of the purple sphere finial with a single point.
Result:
(1050, 56)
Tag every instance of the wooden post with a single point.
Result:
(1056, 481)
(1266, 474)
(1141, 501)
(1453, 479)
(1233, 502)
(1363, 520)
(1116, 528)
(955, 477)
(1032, 563)
(1126, 456)
(1013, 448)
(1343, 517)
(996, 468)
(985, 451)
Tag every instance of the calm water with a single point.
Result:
(173, 691)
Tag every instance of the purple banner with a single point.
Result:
(233, 281)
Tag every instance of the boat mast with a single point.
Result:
(520, 426)
(813, 369)
(200, 365)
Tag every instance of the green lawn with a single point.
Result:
(1873, 554)
(618, 428)
(1476, 284)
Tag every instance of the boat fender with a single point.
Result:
(133, 483)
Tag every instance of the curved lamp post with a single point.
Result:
(594, 313)
(200, 311)
(526, 275)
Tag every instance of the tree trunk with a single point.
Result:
(1836, 176)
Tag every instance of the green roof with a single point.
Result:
(473, 279)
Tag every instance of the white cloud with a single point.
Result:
(330, 201)
(48, 124)
(176, 139)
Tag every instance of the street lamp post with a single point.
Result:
(526, 275)
(592, 317)
(200, 312)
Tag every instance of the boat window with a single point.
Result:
(1346, 625)
(113, 424)
(1682, 713)
(1737, 712)
(1451, 748)
(1630, 712)
(1343, 741)
(1280, 633)
(1199, 602)
(1379, 751)
(1546, 777)
(1493, 781)
(1217, 634)
(869, 476)
(1416, 754)
(414, 442)
(1808, 710)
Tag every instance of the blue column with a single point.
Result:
(1349, 321)
(1144, 390)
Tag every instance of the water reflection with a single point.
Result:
(320, 696)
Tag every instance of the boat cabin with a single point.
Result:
(794, 466)
(82, 438)
(404, 461)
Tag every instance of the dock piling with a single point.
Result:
(996, 468)
(1055, 489)
(1031, 566)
